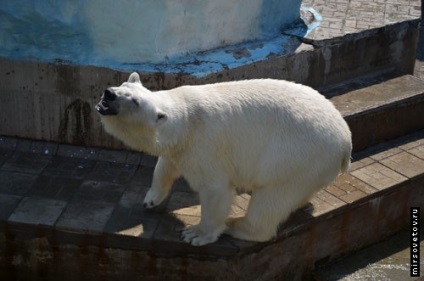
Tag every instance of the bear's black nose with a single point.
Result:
(109, 95)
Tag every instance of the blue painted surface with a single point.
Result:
(60, 31)
(27, 33)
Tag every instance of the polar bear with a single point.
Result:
(279, 140)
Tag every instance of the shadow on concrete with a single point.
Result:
(357, 83)
(358, 156)
(420, 48)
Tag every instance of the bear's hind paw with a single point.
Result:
(194, 236)
(239, 228)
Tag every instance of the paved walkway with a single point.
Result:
(99, 191)
(340, 17)
(84, 196)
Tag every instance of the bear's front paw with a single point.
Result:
(194, 236)
(153, 198)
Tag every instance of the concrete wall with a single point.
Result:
(107, 32)
(56, 102)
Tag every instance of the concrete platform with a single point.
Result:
(68, 211)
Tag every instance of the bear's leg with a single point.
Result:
(215, 204)
(163, 177)
(268, 207)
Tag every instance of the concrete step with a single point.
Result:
(384, 110)
(70, 213)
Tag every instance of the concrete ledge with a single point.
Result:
(383, 111)
(68, 218)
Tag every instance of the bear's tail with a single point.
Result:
(345, 163)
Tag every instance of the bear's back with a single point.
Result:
(259, 101)
(263, 113)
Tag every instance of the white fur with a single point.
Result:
(280, 140)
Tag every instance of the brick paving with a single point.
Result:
(87, 194)
(341, 17)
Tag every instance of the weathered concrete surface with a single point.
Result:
(71, 213)
(55, 102)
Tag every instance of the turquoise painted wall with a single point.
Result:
(108, 32)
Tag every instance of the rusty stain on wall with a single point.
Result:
(75, 124)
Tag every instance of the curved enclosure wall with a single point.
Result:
(102, 32)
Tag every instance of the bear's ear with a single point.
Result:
(161, 117)
(134, 78)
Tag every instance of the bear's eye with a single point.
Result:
(161, 116)
(135, 101)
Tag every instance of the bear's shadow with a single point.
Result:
(178, 210)
(181, 208)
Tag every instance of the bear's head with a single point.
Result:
(131, 102)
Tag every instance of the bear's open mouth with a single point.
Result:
(105, 109)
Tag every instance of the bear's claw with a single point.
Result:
(148, 205)
(153, 198)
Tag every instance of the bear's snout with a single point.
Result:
(104, 107)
